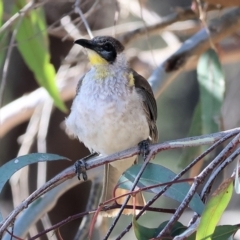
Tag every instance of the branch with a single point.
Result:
(219, 29)
(178, 15)
(28, 7)
(21, 110)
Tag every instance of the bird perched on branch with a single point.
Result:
(114, 109)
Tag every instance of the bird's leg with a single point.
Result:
(144, 148)
(80, 166)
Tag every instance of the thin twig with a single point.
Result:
(41, 139)
(184, 14)
(144, 165)
(202, 16)
(28, 7)
(92, 203)
(207, 186)
(19, 181)
(79, 11)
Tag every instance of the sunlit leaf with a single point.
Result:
(221, 232)
(214, 210)
(212, 87)
(155, 174)
(32, 43)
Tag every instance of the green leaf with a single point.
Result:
(3, 38)
(155, 174)
(32, 43)
(189, 154)
(212, 87)
(214, 210)
(177, 229)
(221, 232)
(144, 233)
(9, 168)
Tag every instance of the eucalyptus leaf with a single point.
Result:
(212, 86)
(32, 42)
(145, 233)
(189, 154)
(12, 166)
(221, 232)
(155, 174)
(214, 210)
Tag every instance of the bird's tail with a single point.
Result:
(112, 173)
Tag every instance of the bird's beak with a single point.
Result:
(93, 51)
(86, 44)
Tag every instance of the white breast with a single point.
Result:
(106, 115)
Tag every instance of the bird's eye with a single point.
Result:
(107, 47)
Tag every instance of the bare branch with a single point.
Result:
(219, 29)
(79, 11)
(180, 15)
(28, 7)
(22, 109)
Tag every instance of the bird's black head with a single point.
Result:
(106, 48)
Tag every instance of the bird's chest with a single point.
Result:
(109, 117)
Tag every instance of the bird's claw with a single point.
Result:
(144, 148)
(80, 169)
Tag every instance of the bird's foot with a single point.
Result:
(144, 148)
(80, 167)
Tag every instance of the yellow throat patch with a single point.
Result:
(95, 59)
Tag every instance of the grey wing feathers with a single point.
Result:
(149, 103)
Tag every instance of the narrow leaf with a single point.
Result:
(32, 43)
(155, 174)
(214, 210)
(9, 168)
(143, 233)
(221, 232)
(212, 87)
(195, 130)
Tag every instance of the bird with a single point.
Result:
(114, 109)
